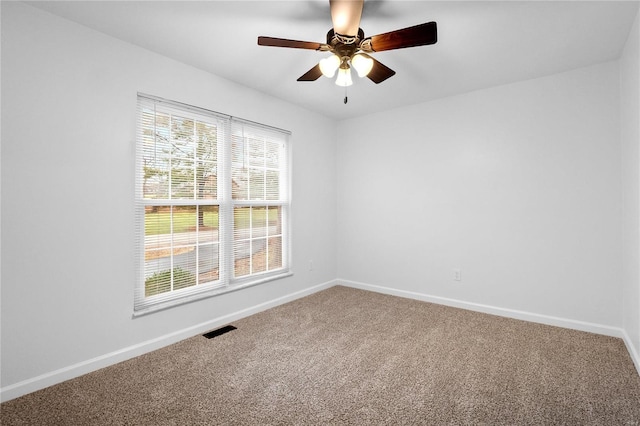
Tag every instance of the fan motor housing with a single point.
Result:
(343, 45)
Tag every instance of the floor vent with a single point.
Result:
(218, 332)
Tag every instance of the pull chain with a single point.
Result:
(345, 95)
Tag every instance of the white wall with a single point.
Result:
(518, 185)
(68, 127)
(630, 137)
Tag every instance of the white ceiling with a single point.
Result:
(480, 43)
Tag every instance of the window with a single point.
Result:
(212, 203)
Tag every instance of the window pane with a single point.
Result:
(237, 151)
(182, 135)
(239, 171)
(242, 244)
(274, 245)
(182, 158)
(183, 278)
(156, 155)
(182, 179)
(240, 184)
(184, 221)
(256, 152)
(241, 258)
(259, 255)
(272, 154)
(208, 244)
(258, 222)
(157, 220)
(207, 156)
(241, 223)
(208, 263)
(275, 220)
(157, 283)
(208, 223)
(207, 138)
(256, 184)
(259, 242)
(206, 180)
(273, 185)
(275, 253)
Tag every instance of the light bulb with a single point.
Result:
(344, 77)
(328, 66)
(362, 64)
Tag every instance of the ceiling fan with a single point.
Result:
(349, 47)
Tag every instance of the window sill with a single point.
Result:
(205, 293)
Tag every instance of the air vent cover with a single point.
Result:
(219, 331)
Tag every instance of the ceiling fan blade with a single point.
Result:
(312, 75)
(418, 35)
(379, 72)
(283, 42)
(345, 15)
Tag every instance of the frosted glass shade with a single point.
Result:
(328, 66)
(344, 77)
(362, 64)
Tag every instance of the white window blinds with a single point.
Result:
(260, 200)
(212, 203)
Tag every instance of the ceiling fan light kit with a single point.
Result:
(350, 48)
(330, 65)
(362, 63)
(344, 77)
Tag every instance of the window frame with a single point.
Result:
(225, 127)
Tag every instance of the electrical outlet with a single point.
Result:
(457, 274)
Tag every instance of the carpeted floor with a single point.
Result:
(347, 356)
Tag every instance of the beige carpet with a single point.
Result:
(347, 356)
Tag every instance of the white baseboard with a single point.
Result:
(510, 313)
(635, 356)
(58, 376)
